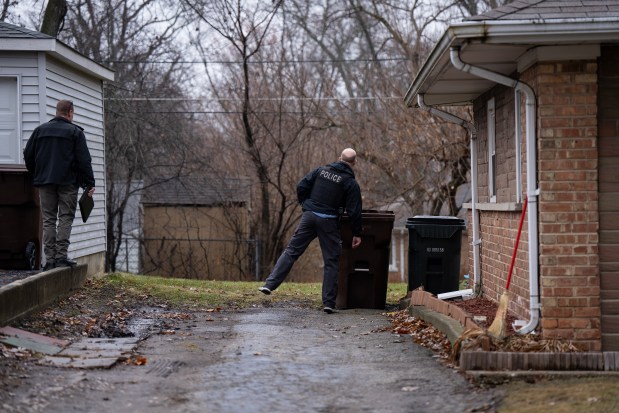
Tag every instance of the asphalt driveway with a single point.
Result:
(261, 360)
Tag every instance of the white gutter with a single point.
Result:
(532, 190)
(474, 212)
(517, 33)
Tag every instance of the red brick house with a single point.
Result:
(542, 77)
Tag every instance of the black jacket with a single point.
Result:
(56, 153)
(328, 188)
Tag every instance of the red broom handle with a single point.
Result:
(511, 266)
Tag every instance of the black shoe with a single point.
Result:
(328, 310)
(264, 290)
(50, 265)
(65, 262)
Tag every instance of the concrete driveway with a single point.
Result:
(262, 360)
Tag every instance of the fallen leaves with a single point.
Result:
(16, 353)
(478, 339)
(136, 361)
(110, 325)
(421, 332)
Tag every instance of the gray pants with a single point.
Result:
(328, 233)
(58, 205)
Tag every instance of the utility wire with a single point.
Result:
(147, 99)
(231, 62)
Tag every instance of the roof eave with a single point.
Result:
(60, 51)
(538, 32)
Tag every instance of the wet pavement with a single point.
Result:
(262, 360)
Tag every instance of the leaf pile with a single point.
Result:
(478, 339)
(110, 325)
(421, 332)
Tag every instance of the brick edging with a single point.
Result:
(509, 361)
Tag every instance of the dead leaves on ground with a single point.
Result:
(421, 332)
(428, 336)
(478, 339)
(136, 361)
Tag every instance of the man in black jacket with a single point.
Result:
(323, 194)
(58, 157)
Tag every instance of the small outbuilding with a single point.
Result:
(36, 71)
(198, 227)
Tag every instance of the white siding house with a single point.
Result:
(36, 71)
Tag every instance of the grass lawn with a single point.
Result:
(229, 294)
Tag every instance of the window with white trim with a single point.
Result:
(9, 136)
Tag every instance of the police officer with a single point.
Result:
(323, 194)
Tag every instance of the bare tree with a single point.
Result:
(53, 19)
(382, 43)
(474, 7)
(266, 132)
(5, 8)
(148, 134)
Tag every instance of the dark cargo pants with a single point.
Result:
(58, 205)
(328, 233)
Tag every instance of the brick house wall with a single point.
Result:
(568, 203)
(499, 225)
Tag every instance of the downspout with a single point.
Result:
(474, 213)
(518, 139)
(532, 190)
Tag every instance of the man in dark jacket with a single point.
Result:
(324, 194)
(58, 157)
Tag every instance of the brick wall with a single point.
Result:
(568, 202)
(499, 228)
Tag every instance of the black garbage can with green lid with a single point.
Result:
(364, 271)
(434, 252)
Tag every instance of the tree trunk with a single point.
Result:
(54, 17)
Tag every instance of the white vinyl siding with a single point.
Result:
(46, 71)
(86, 92)
(23, 67)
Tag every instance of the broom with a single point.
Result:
(498, 328)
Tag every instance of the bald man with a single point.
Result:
(324, 194)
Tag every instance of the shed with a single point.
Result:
(542, 77)
(36, 71)
(198, 227)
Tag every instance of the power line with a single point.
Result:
(147, 99)
(234, 112)
(231, 62)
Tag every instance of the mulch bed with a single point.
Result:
(480, 307)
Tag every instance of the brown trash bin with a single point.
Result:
(364, 271)
(20, 220)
